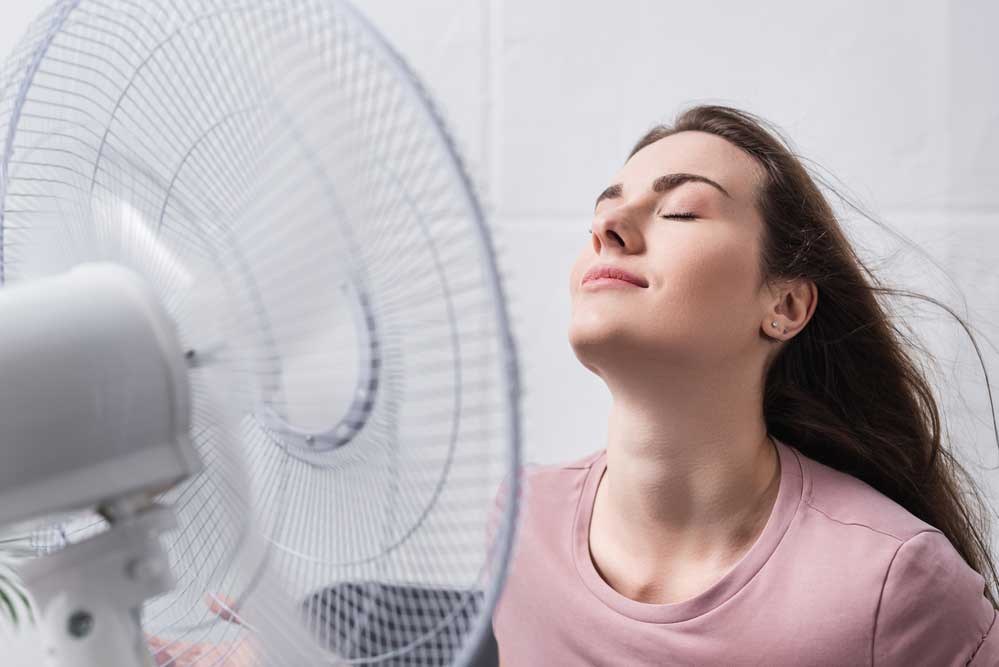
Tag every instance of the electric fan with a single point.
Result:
(249, 303)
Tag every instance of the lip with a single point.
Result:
(607, 274)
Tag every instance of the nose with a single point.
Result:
(612, 228)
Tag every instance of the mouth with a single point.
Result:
(607, 274)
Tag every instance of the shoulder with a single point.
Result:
(531, 475)
(933, 609)
(551, 486)
(551, 472)
(583, 462)
(848, 501)
(551, 481)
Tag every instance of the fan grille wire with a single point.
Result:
(267, 166)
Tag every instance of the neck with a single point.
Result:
(691, 471)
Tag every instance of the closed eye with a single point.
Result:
(684, 216)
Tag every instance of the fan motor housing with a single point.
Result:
(94, 401)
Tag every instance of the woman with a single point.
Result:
(772, 490)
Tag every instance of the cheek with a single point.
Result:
(713, 281)
(578, 267)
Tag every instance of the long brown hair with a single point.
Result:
(846, 391)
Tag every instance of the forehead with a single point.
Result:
(696, 153)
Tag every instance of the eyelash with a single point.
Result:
(682, 216)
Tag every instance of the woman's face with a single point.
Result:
(704, 302)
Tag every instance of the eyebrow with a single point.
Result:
(664, 183)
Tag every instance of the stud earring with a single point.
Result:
(774, 324)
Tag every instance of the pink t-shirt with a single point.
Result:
(840, 576)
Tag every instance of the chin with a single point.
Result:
(595, 340)
(608, 343)
(601, 323)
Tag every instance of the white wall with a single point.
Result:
(898, 100)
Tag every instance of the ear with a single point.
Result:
(792, 303)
